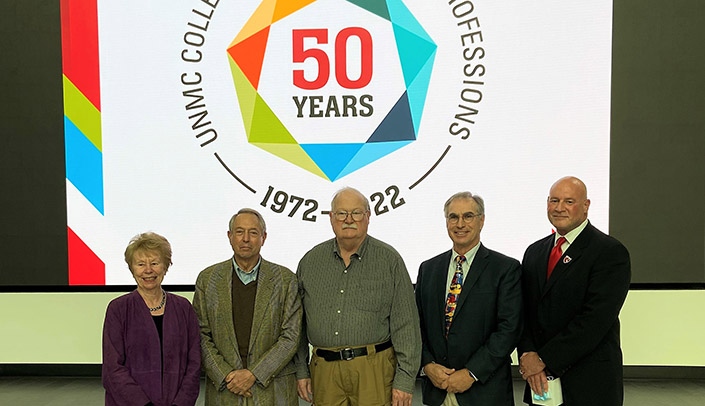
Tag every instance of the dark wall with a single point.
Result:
(32, 174)
(657, 168)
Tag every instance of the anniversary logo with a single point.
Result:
(331, 87)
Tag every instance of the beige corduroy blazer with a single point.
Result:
(276, 328)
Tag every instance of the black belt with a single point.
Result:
(346, 354)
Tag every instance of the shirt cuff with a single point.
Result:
(403, 382)
(423, 371)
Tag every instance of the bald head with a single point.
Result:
(349, 193)
(571, 181)
(568, 204)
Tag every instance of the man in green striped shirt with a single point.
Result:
(360, 315)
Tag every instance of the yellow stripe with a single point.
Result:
(82, 113)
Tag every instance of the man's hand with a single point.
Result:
(538, 382)
(438, 374)
(401, 398)
(460, 381)
(303, 387)
(530, 364)
(240, 382)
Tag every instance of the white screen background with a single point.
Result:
(544, 114)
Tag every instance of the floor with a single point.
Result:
(64, 391)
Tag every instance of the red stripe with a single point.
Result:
(85, 268)
(79, 50)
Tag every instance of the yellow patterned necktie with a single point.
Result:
(456, 285)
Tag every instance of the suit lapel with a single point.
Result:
(546, 247)
(478, 266)
(265, 286)
(224, 283)
(440, 290)
(572, 254)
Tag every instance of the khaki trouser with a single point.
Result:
(364, 381)
(450, 400)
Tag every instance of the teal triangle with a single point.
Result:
(414, 52)
(373, 6)
(331, 158)
(397, 125)
(401, 16)
(418, 90)
(370, 153)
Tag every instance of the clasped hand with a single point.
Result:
(449, 379)
(240, 382)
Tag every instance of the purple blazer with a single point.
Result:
(133, 373)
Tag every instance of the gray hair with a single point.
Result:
(465, 195)
(246, 210)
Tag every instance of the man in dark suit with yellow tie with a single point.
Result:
(469, 302)
(572, 324)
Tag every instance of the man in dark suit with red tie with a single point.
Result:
(469, 302)
(571, 310)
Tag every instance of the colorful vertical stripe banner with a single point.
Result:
(82, 128)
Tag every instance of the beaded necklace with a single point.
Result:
(154, 309)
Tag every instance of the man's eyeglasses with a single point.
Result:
(467, 217)
(356, 215)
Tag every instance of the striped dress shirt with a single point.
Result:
(370, 301)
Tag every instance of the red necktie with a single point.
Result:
(456, 285)
(556, 254)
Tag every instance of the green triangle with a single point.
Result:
(246, 94)
(373, 6)
(295, 154)
(266, 126)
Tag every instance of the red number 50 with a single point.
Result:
(341, 57)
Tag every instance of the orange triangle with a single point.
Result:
(285, 8)
(249, 55)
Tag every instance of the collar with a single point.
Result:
(571, 235)
(360, 250)
(247, 277)
(469, 256)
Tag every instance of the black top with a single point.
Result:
(159, 321)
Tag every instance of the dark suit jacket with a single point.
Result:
(485, 330)
(572, 320)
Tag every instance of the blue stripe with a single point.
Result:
(84, 165)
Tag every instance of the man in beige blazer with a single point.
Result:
(249, 313)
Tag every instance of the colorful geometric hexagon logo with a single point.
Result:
(332, 160)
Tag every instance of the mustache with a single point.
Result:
(353, 226)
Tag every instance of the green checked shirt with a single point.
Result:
(369, 302)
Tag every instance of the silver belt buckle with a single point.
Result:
(346, 354)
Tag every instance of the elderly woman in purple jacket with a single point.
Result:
(151, 347)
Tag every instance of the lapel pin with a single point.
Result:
(567, 259)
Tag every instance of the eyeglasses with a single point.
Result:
(356, 215)
(467, 217)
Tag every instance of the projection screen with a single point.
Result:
(179, 113)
